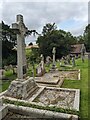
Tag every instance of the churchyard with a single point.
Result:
(81, 84)
(57, 90)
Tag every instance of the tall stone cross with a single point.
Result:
(54, 51)
(42, 61)
(20, 29)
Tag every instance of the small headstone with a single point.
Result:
(41, 68)
(53, 65)
(1, 103)
(73, 61)
(83, 50)
(48, 59)
(68, 59)
(2, 73)
(53, 51)
(6, 68)
(3, 109)
(42, 62)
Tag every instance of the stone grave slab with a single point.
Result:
(69, 74)
(3, 109)
(49, 79)
(59, 97)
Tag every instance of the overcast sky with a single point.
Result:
(70, 16)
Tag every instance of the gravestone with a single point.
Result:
(2, 75)
(3, 109)
(48, 60)
(68, 59)
(73, 61)
(53, 65)
(42, 64)
(39, 71)
(83, 50)
(22, 87)
(41, 68)
(53, 51)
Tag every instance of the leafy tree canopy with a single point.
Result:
(85, 38)
(8, 39)
(51, 37)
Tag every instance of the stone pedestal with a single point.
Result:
(53, 69)
(3, 110)
(21, 89)
(53, 65)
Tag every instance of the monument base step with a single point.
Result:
(3, 111)
(21, 89)
(53, 70)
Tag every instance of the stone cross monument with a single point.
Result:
(53, 65)
(3, 109)
(53, 51)
(20, 28)
(83, 50)
(22, 87)
(42, 61)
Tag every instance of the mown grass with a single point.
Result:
(5, 82)
(82, 85)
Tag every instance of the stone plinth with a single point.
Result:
(21, 89)
(44, 80)
(41, 73)
(3, 110)
(53, 69)
(59, 97)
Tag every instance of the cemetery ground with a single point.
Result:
(81, 84)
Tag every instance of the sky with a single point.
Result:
(70, 16)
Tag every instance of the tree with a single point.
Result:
(80, 39)
(48, 28)
(84, 39)
(8, 39)
(51, 37)
(86, 36)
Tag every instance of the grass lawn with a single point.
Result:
(82, 85)
(4, 84)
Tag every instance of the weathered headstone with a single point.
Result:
(68, 59)
(2, 76)
(42, 62)
(53, 65)
(48, 60)
(39, 71)
(3, 109)
(53, 51)
(73, 61)
(41, 68)
(83, 50)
